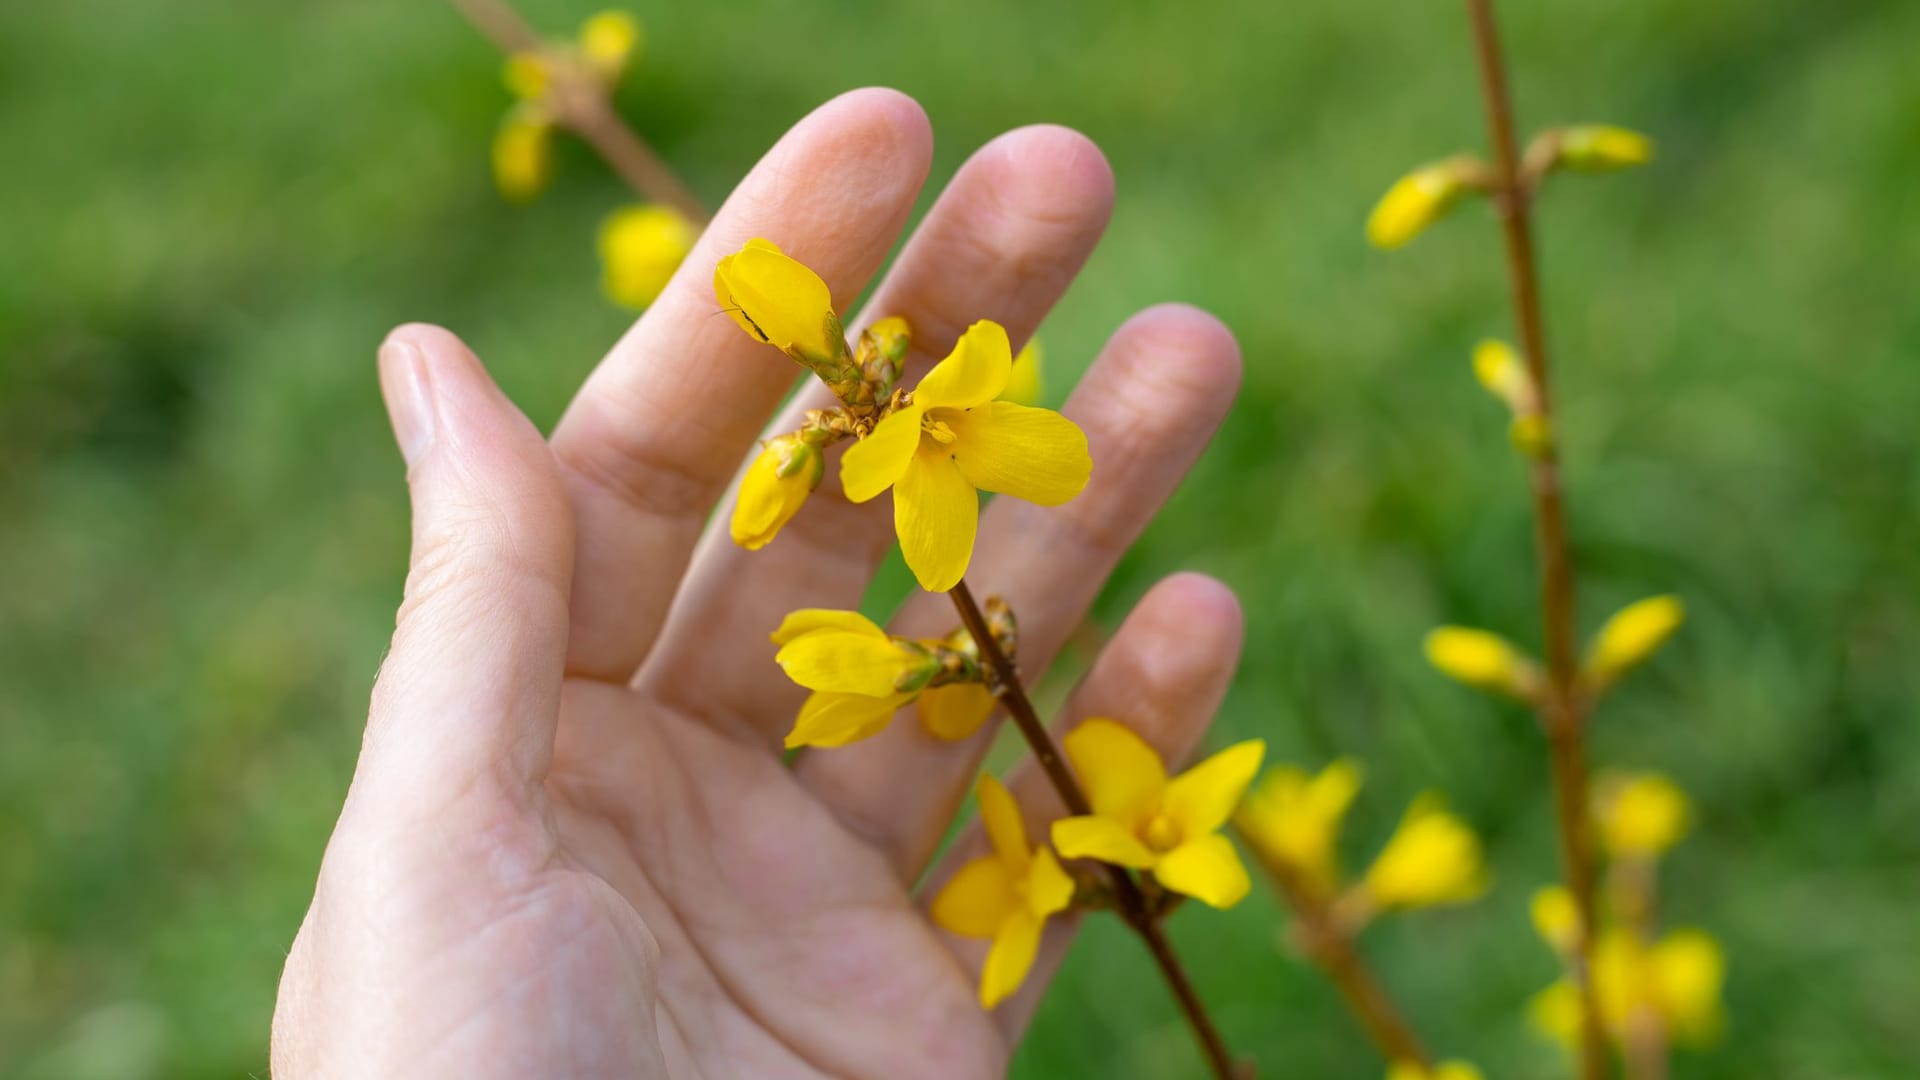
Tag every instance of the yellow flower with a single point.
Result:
(858, 674)
(1639, 814)
(954, 440)
(773, 490)
(780, 301)
(955, 711)
(1445, 1070)
(1294, 819)
(1603, 147)
(1679, 978)
(1633, 634)
(1006, 896)
(1433, 858)
(523, 154)
(1414, 202)
(1556, 917)
(1482, 660)
(1027, 384)
(609, 41)
(1143, 820)
(640, 248)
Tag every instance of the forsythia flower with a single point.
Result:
(1294, 819)
(1433, 858)
(1446, 1070)
(1679, 978)
(1143, 820)
(1633, 634)
(1602, 147)
(953, 440)
(1482, 660)
(523, 154)
(779, 300)
(1027, 383)
(859, 676)
(1006, 896)
(640, 248)
(774, 488)
(1556, 917)
(1416, 201)
(1639, 814)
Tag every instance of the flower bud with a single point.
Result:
(1556, 917)
(1483, 660)
(882, 353)
(1433, 858)
(640, 248)
(1419, 199)
(523, 154)
(774, 488)
(1632, 635)
(1602, 148)
(1639, 815)
(527, 76)
(609, 41)
(778, 300)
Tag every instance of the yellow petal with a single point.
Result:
(1027, 383)
(1094, 837)
(875, 463)
(640, 248)
(1049, 888)
(1632, 635)
(1206, 868)
(522, 155)
(1011, 957)
(1433, 858)
(778, 300)
(972, 374)
(1121, 773)
(1639, 814)
(1005, 828)
(828, 720)
(976, 900)
(609, 40)
(808, 620)
(956, 711)
(936, 513)
(1201, 799)
(1032, 454)
(848, 663)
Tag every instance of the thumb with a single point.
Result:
(470, 690)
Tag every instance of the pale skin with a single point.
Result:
(571, 846)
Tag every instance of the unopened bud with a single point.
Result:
(1483, 660)
(1421, 198)
(523, 153)
(882, 353)
(1601, 148)
(1632, 635)
(609, 41)
(1556, 918)
(775, 487)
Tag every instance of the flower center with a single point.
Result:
(937, 430)
(1162, 834)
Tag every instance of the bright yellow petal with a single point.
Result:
(1093, 837)
(1201, 799)
(828, 720)
(1121, 773)
(1032, 454)
(1027, 383)
(807, 620)
(1432, 858)
(955, 712)
(936, 513)
(778, 300)
(1011, 957)
(847, 663)
(875, 463)
(977, 900)
(1207, 869)
(1049, 888)
(1005, 828)
(973, 373)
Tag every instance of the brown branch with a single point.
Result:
(1132, 902)
(581, 105)
(1561, 706)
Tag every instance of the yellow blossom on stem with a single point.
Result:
(1445, 1070)
(780, 301)
(1417, 200)
(1556, 917)
(523, 154)
(1006, 896)
(1143, 820)
(1027, 383)
(1639, 815)
(1293, 819)
(953, 440)
(1602, 148)
(1631, 636)
(1679, 978)
(609, 42)
(1433, 858)
(1483, 660)
(640, 248)
(774, 488)
(858, 674)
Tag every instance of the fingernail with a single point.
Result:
(404, 383)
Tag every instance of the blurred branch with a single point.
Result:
(582, 106)
(1561, 706)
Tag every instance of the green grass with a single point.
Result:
(210, 213)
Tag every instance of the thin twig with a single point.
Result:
(1133, 906)
(1561, 705)
(581, 106)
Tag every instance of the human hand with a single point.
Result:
(571, 846)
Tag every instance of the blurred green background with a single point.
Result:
(211, 212)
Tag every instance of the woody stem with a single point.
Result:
(585, 111)
(1561, 706)
(1132, 902)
